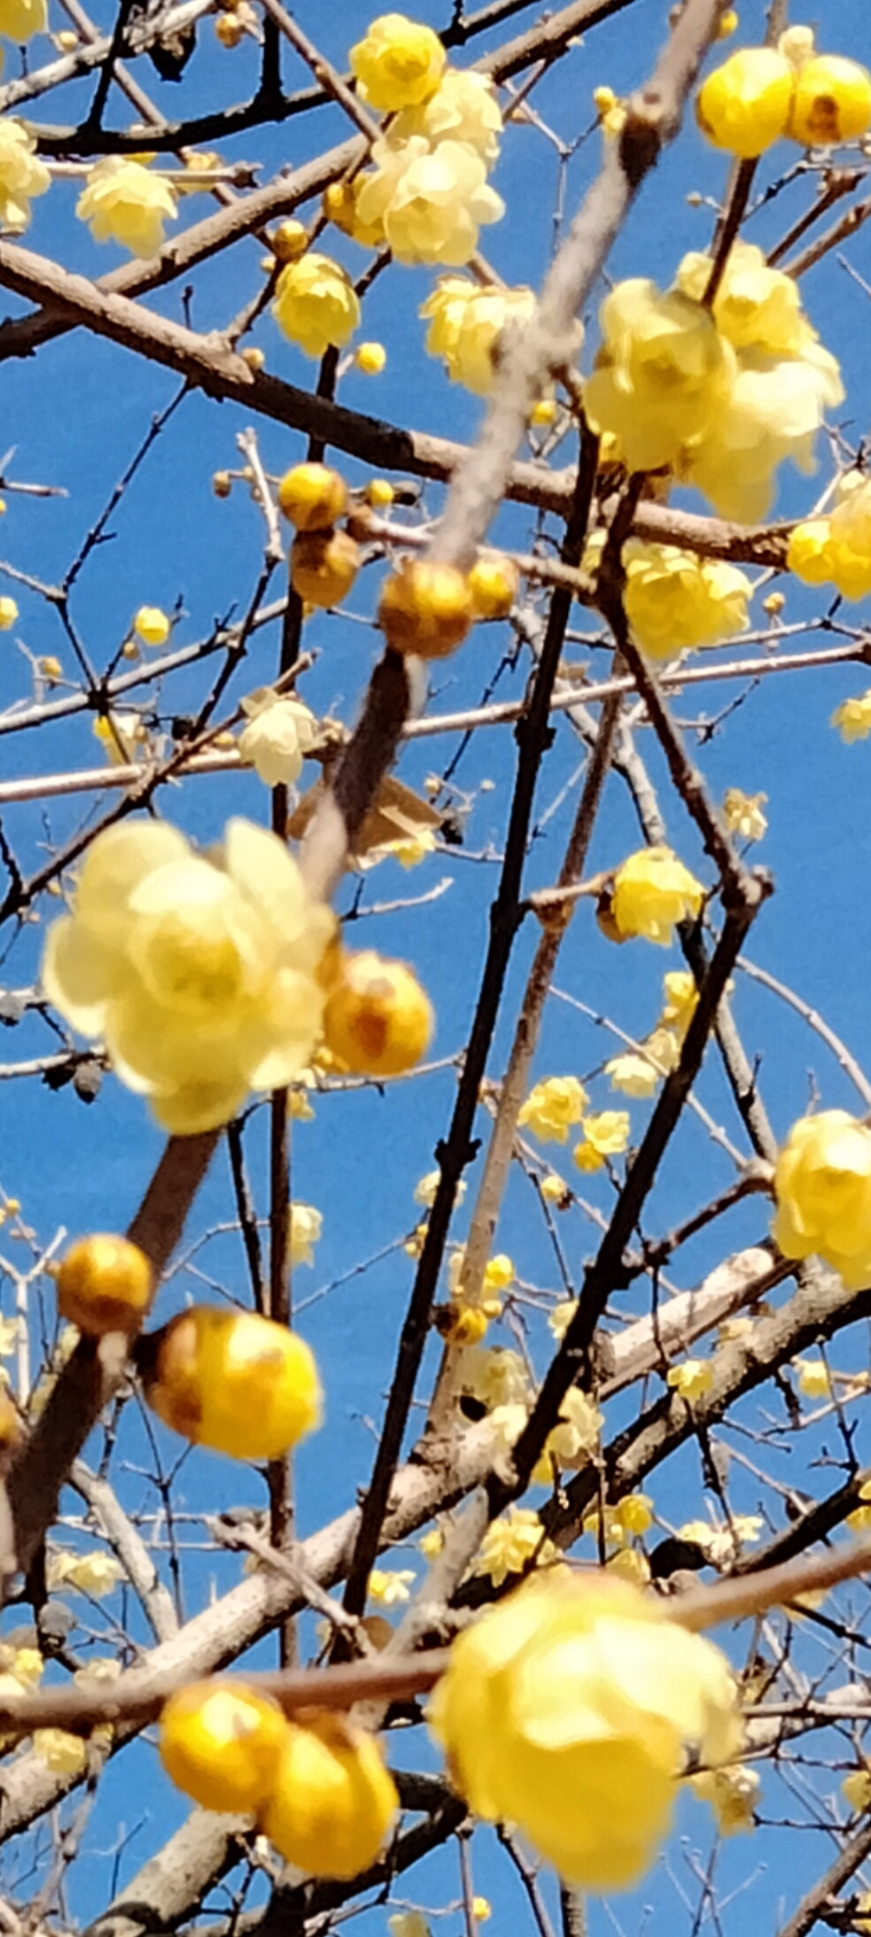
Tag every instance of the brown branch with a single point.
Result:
(819, 1897)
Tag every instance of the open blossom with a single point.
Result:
(125, 202)
(822, 1187)
(677, 601)
(775, 408)
(652, 891)
(463, 108)
(663, 373)
(398, 63)
(605, 1135)
(692, 1379)
(280, 731)
(316, 304)
(199, 973)
(743, 813)
(22, 174)
(756, 307)
(576, 1436)
(430, 201)
(495, 1375)
(732, 1793)
(568, 1710)
(552, 1107)
(306, 1225)
(836, 550)
(512, 1543)
(853, 718)
(465, 325)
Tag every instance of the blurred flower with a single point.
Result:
(692, 1379)
(495, 1375)
(732, 1793)
(552, 1107)
(605, 1135)
(388, 1587)
(632, 1074)
(743, 813)
(465, 326)
(425, 1191)
(822, 1186)
(511, 1543)
(22, 174)
(151, 625)
(573, 1439)
(853, 718)
(95, 1574)
(662, 375)
(856, 1789)
(561, 1317)
(305, 1229)
(812, 1378)
(743, 105)
(21, 19)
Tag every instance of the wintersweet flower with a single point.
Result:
(408, 1923)
(831, 102)
(312, 496)
(464, 108)
(571, 1442)
(676, 601)
(21, 19)
(95, 1574)
(652, 891)
(220, 1743)
(64, 1754)
(22, 174)
(378, 1019)
(430, 201)
(605, 1135)
(836, 550)
(552, 1107)
(389, 1587)
(662, 376)
(514, 1542)
(495, 1375)
(125, 202)
(316, 304)
(568, 1710)
(853, 718)
(822, 1187)
(856, 1789)
(8, 607)
(680, 996)
(692, 1379)
(775, 409)
(813, 1378)
(743, 813)
(280, 731)
(398, 63)
(306, 1225)
(332, 1800)
(732, 1794)
(561, 1317)
(465, 326)
(493, 582)
(633, 1074)
(425, 1190)
(233, 1381)
(152, 626)
(200, 974)
(755, 308)
(743, 106)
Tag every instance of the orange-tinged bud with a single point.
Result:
(222, 1744)
(462, 1324)
(233, 1381)
(425, 608)
(323, 566)
(289, 241)
(105, 1284)
(222, 484)
(831, 102)
(228, 30)
(312, 496)
(493, 584)
(377, 1016)
(332, 1801)
(744, 105)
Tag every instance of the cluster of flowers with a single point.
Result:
(718, 398)
(762, 93)
(676, 601)
(636, 1072)
(319, 1791)
(557, 1104)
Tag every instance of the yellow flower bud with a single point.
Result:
(51, 669)
(398, 64)
(222, 484)
(105, 1284)
(221, 1743)
(323, 566)
(493, 584)
(370, 358)
(254, 358)
(425, 608)
(332, 1801)
(316, 304)
(377, 1017)
(728, 24)
(228, 30)
(543, 413)
(289, 241)
(8, 613)
(744, 105)
(831, 102)
(233, 1381)
(312, 496)
(462, 1324)
(379, 493)
(152, 626)
(652, 891)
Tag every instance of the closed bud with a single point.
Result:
(105, 1284)
(377, 1017)
(232, 1381)
(332, 1801)
(221, 1744)
(323, 566)
(425, 608)
(312, 496)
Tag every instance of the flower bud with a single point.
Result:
(377, 1017)
(105, 1284)
(289, 241)
(312, 496)
(323, 566)
(221, 1744)
(425, 608)
(493, 584)
(233, 1381)
(332, 1800)
(744, 105)
(831, 102)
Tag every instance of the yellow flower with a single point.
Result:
(323, 566)
(744, 105)
(775, 408)
(680, 997)
(199, 974)
(732, 1793)
(755, 308)
(425, 608)
(634, 1513)
(105, 1284)
(743, 813)
(576, 1436)
(332, 1801)
(493, 583)
(62, 1753)
(8, 607)
(341, 206)
(652, 891)
(22, 175)
(305, 1229)
(280, 731)
(495, 1375)
(856, 1789)
(605, 1135)
(151, 625)
(568, 1710)
(561, 1317)
(377, 1018)
(552, 1107)
(390, 1587)
(408, 1923)
(398, 64)
(234, 1381)
(837, 549)
(425, 1191)
(822, 1186)
(464, 108)
(499, 1273)
(676, 601)
(662, 376)
(482, 1909)
(553, 1189)
(312, 496)
(370, 358)
(465, 326)
(812, 1378)
(859, 1520)
(21, 19)
(316, 304)
(511, 1543)
(632, 1074)
(431, 201)
(831, 102)
(95, 1574)
(221, 1743)
(692, 1379)
(125, 202)
(853, 718)
(411, 851)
